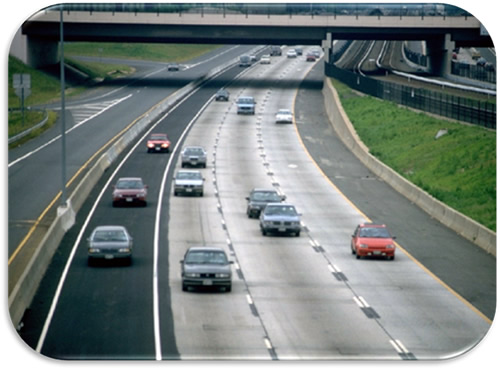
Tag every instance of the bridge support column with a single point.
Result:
(327, 46)
(440, 51)
(42, 52)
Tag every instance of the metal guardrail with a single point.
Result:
(29, 130)
(319, 8)
(462, 109)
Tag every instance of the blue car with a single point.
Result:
(279, 218)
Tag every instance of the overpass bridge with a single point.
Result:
(444, 27)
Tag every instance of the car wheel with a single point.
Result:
(297, 234)
(184, 287)
(353, 251)
(358, 256)
(264, 233)
(227, 288)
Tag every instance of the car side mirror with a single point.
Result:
(146, 186)
(283, 198)
(230, 262)
(181, 261)
(247, 198)
(393, 237)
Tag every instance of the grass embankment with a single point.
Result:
(46, 89)
(458, 168)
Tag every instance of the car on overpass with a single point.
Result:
(130, 191)
(188, 182)
(280, 218)
(371, 239)
(205, 266)
(109, 242)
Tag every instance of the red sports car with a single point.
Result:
(158, 142)
(372, 240)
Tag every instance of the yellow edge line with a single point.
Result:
(42, 215)
(435, 277)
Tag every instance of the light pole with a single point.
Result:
(63, 113)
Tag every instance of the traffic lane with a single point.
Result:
(464, 267)
(300, 302)
(119, 298)
(209, 324)
(296, 180)
(157, 84)
(421, 299)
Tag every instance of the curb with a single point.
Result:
(461, 224)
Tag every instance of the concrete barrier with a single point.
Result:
(24, 290)
(461, 224)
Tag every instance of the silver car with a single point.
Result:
(259, 198)
(110, 242)
(206, 266)
(194, 156)
(188, 182)
(280, 218)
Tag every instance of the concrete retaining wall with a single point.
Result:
(463, 225)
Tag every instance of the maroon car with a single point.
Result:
(158, 142)
(130, 191)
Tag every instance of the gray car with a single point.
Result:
(204, 266)
(280, 218)
(194, 156)
(259, 198)
(188, 182)
(110, 242)
(245, 105)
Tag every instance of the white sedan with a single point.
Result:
(266, 59)
(291, 53)
(284, 116)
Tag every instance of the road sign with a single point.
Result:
(22, 80)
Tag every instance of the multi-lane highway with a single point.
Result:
(301, 297)
(35, 167)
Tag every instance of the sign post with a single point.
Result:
(22, 87)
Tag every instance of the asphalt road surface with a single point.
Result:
(301, 297)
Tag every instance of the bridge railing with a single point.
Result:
(312, 9)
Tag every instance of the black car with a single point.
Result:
(259, 198)
(222, 95)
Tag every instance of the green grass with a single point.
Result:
(138, 51)
(46, 89)
(459, 168)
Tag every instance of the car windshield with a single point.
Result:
(125, 184)
(158, 137)
(267, 196)
(245, 100)
(109, 236)
(374, 232)
(280, 210)
(284, 111)
(206, 257)
(193, 151)
(188, 175)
